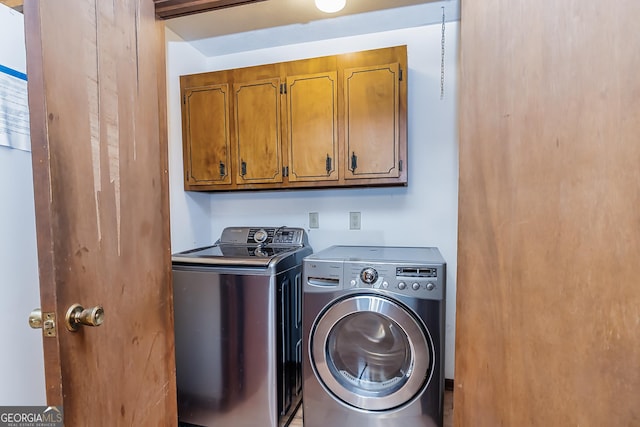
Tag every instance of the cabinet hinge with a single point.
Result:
(285, 171)
(400, 77)
(400, 165)
(283, 88)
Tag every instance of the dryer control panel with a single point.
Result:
(418, 281)
(413, 272)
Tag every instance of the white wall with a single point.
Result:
(21, 358)
(422, 214)
(190, 211)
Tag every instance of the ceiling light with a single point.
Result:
(330, 6)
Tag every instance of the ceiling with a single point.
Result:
(268, 14)
(274, 23)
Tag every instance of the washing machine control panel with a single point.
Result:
(418, 281)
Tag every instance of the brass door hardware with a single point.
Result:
(44, 321)
(77, 316)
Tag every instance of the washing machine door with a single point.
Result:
(371, 352)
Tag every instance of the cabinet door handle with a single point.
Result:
(223, 170)
(354, 162)
(243, 167)
(328, 164)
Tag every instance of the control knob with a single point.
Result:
(402, 286)
(260, 236)
(430, 286)
(415, 286)
(369, 275)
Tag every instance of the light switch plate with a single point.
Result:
(354, 220)
(314, 220)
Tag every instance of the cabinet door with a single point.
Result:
(372, 129)
(312, 127)
(206, 134)
(257, 120)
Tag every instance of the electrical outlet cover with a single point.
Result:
(354, 220)
(314, 220)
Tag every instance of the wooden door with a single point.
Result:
(372, 125)
(548, 302)
(99, 139)
(205, 132)
(257, 123)
(312, 127)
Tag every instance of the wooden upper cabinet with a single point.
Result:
(320, 122)
(206, 134)
(312, 127)
(257, 124)
(372, 129)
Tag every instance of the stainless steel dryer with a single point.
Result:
(238, 323)
(373, 333)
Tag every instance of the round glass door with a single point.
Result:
(371, 352)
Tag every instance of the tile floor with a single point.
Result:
(448, 412)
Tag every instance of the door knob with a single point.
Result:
(77, 316)
(35, 318)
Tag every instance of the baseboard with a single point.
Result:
(448, 384)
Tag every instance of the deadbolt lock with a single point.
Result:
(44, 321)
(77, 316)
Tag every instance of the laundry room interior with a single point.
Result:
(509, 234)
(424, 213)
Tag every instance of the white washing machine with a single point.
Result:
(373, 334)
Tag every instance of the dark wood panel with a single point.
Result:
(174, 8)
(45, 215)
(548, 306)
(98, 123)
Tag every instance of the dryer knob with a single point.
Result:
(430, 286)
(402, 286)
(369, 275)
(415, 286)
